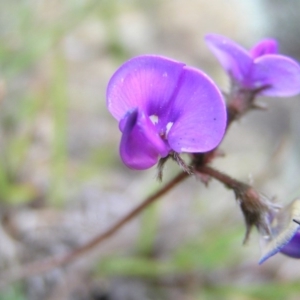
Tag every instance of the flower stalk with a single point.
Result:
(165, 108)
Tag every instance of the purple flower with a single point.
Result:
(163, 106)
(258, 68)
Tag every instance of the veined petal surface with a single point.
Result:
(147, 82)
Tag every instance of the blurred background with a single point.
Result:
(61, 178)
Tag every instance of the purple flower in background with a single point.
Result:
(163, 106)
(285, 229)
(258, 68)
(292, 248)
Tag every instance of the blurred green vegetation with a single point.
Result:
(25, 39)
(14, 292)
(200, 254)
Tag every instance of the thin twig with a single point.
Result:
(40, 267)
(225, 179)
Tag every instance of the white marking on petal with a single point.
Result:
(168, 127)
(154, 119)
(185, 149)
(165, 74)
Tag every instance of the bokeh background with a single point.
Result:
(61, 178)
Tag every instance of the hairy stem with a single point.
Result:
(225, 179)
(255, 207)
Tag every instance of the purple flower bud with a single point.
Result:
(292, 248)
(285, 229)
(162, 106)
(258, 68)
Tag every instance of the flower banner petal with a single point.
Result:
(140, 145)
(234, 59)
(281, 73)
(147, 82)
(266, 46)
(198, 114)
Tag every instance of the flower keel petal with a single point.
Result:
(140, 145)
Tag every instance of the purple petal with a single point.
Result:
(266, 46)
(292, 249)
(140, 145)
(281, 73)
(234, 59)
(198, 114)
(147, 82)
